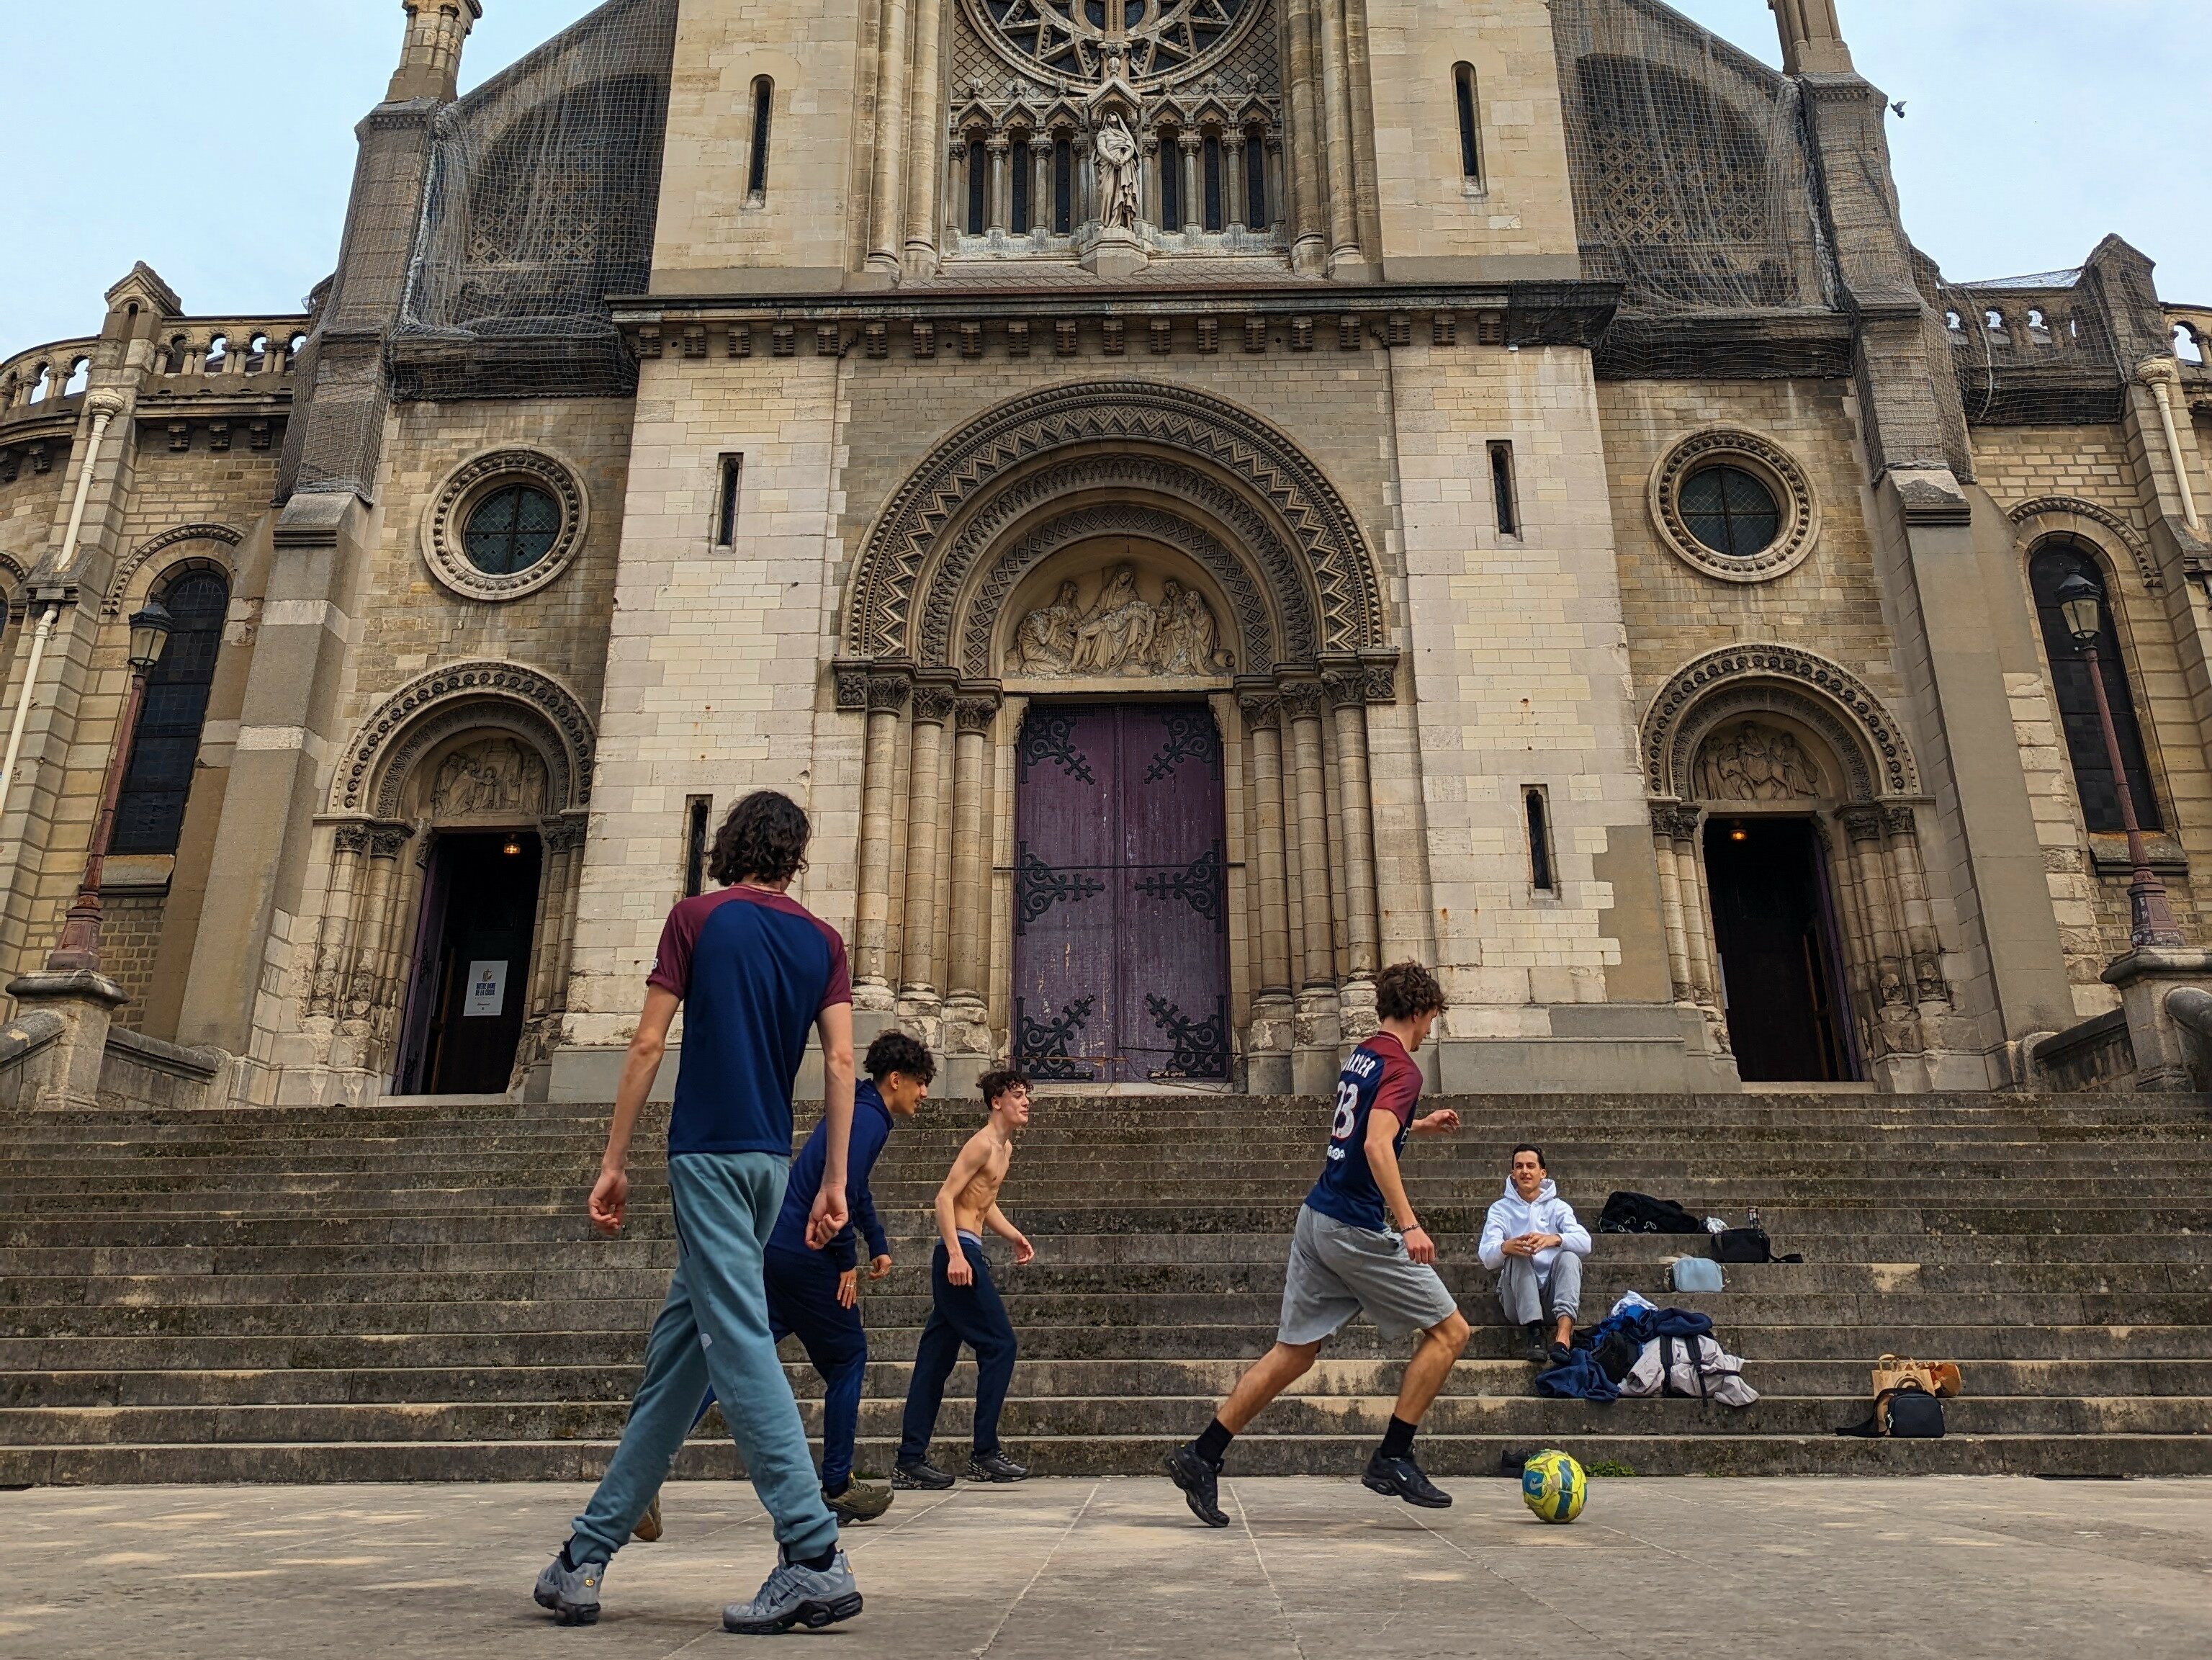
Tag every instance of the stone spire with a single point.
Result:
(430, 63)
(1812, 40)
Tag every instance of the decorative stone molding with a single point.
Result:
(469, 484)
(933, 703)
(1182, 427)
(1748, 679)
(850, 680)
(1862, 823)
(128, 567)
(1120, 631)
(2047, 516)
(1799, 529)
(888, 690)
(976, 710)
(1302, 699)
(1258, 708)
(1677, 820)
(435, 706)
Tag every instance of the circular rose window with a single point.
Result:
(504, 524)
(1735, 505)
(1072, 39)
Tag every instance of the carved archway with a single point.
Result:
(127, 568)
(2037, 521)
(439, 705)
(1737, 680)
(1219, 461)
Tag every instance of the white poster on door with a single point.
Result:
(487, 992)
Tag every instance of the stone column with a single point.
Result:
(925, 142)
(1271, 1002)
(885, 696)
(1302, 699)
(1348, 707)
(967, 1011)
(1309, 239)
(919, 977)
(372, 986)
(1929, 988)
(999, 146)
(887, 205)
(1233, 206)
(1892, 988)
(562, 839)
(1336, 130)
(1671, 821)
(1194, 203)
(334, 939)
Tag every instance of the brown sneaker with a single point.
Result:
(861, 1501)
(648, 1525)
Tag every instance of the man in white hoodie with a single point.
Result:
(1533, 1243)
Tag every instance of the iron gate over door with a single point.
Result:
(1121, 895)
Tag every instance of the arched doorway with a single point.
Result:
(1102, 631)
(1784, 812)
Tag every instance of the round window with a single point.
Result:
(1731, 511)
(511, 530)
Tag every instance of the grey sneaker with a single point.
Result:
(796, 1595)
(573, 1594)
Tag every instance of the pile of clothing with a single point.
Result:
(1642, 1349)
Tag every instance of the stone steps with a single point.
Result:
(413, 1294)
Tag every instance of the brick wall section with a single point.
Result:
(129, 932)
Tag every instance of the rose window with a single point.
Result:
(1155, 39)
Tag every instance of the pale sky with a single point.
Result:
(214, 138)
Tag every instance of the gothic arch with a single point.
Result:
(1131, 435)
(1743, 679)
(127, 567)
(428, 710)
(2047, 516)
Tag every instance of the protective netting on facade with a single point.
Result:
(2030, 351)
(540, 203)
(1692, 186)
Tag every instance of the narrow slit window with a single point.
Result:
(757, 172)
(1018, 161)
(728, 483)
(979, 186)
(695, 810)
(1171, 183)
(1214, 217)
(1501, 488)
(1063, 186)
(1470, 133)
(1256, 182)
(1540, 874)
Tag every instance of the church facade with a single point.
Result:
(1199, 498)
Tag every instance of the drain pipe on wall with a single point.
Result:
(105, 406)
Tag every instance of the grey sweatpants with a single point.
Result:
(1529, 1294)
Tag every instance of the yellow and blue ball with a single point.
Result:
(1554, 1485)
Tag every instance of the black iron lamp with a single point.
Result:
(149, 632)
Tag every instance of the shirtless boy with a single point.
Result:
(1346, 1256)
(964, 1304)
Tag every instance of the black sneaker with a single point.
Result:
(995, 1466)
(1201, 1484)
(1402, 1478)
(921, 1475)
(1540, 1351)
(1561, 1354)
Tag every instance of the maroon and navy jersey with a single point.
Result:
(1379, 1077)
(754, 969)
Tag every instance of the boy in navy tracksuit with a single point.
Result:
(814, 1295)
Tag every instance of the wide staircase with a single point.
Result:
(412, 1292)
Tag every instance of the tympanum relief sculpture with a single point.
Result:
(496, 775)
(1121, 632)
(1752, 763)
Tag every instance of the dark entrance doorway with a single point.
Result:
(1772, 920)
(1121, 895)
(471, 977)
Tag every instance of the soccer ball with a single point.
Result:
(1554, 1485)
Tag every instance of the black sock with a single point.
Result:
(1398, 1439)
(819, 1563)
(569, 1560)
(837, 1492)
(1214, 1445)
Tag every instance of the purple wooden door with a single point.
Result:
(1121, 895)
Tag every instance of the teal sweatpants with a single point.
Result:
(713, 1329)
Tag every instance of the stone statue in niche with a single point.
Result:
(1752, 763)
(496, 775)
(1120, 205)
(1121, 632)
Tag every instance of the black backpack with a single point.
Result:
(1907, 1412)
(1748, 1244)
(1639, 1212)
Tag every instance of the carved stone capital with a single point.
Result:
(850, 677)
(1862, 823)
(1258, 708)
(1676, 820)
(352, 837)
(1343, 689)
(1302, 699)
(1898, 818)
(561, 835)
(976, 709)
(887, 687)
(2158, 372)
(384, 841)
(933, 702)
(105, 406)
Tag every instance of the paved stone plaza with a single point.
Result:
(1782, 1569)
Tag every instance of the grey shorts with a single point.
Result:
(1336, 1271)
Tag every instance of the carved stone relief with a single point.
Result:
(1756, 763)
(1120, 631)
(498, 776)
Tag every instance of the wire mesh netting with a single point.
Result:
(540, 203)
(1692, 182)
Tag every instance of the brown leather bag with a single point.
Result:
(1937, 1377)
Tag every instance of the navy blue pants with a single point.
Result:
(970, 1314)
(802, 1303)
